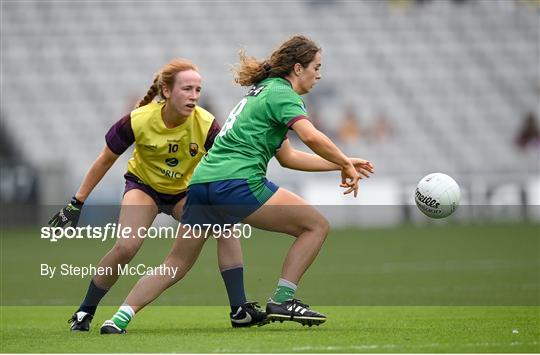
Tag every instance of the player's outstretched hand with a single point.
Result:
(349, 179)
(68, 215)
(362, 166)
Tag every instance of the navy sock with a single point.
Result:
(234, 282)
(92, 298)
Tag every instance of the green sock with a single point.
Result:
(123, 316)
(285, 291)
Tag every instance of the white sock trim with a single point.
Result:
(287, 283)
(126, 308)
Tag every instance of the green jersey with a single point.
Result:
(252, 134)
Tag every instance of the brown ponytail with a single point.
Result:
(250, 70)
(166, 77)
(297, 49)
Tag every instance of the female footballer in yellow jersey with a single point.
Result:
(171, 136)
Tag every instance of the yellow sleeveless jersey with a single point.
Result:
(164, 158)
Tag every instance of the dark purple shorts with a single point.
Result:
(164, 202)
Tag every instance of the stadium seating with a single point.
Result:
(454, 81)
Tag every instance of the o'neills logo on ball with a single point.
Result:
(428, 201)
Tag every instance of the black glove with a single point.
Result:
(69, 214)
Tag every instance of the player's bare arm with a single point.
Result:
(96, 172)
(320, 144)
(291, 158)
(295, 159)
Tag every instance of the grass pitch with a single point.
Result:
(420, 289)
(348, 330)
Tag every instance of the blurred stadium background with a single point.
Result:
(414, 86)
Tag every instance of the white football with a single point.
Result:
(437, 195)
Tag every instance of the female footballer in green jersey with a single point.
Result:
(170, 137)
(229, 184)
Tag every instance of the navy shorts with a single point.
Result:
(226, 201)
(164, 202)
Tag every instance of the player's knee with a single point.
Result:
(322, 227)
(318, 226)
(125, 253)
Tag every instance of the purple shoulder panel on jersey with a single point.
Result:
(212, 133)
(120, 135)
(296, 119)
